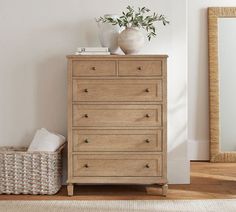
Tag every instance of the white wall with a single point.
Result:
(198, 127)
(35, 36)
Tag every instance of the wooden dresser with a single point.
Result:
(117, 124)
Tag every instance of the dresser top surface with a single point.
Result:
(117, 56)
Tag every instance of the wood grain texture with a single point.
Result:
(118, 57)
(93, 68)
(117, 90)
(140, 68)
(118, 121)
(208, 181)
(164, 121)
(117, 140)
(213, 14)
(69, 121)
(117, 115)
(135, 180)
(117, 166)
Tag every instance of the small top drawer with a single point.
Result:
(140, 68)
(89, 68)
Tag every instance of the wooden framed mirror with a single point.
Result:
(222, 83)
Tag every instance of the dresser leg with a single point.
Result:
(164, 189)
(157, 189)
(70, 189)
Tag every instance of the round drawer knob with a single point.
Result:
(147, 90)
(86, 141)
(147, 116)
(86, 90)
(147, 141)
(94, 68)
(86, 115)
(86, 166)
(139, 68)
(147, 166)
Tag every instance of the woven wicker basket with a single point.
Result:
(23, 172)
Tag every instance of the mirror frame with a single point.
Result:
(214, 108)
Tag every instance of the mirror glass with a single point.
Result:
(227, 81)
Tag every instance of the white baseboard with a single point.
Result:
(198, 150)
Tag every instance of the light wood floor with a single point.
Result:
(208, 181)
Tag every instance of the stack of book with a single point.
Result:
(92, 51)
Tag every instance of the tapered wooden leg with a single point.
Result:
(70, 189)
(157, 189)
(164, 189)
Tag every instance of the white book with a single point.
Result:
(92, 49)
(92, 53)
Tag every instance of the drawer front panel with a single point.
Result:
(140, 68)
(116, 165)
(117, 90)
(117, 115)
(117, 140)
(93, 68)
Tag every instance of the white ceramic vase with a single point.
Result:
(131, 40)
(108, 35)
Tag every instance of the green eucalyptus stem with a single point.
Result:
(140, 18)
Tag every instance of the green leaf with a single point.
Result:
(137, 18)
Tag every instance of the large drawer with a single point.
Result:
(117, 90)
(117, 165)
(117, 115)
(117, 140)
(86, 68)
(140, 68)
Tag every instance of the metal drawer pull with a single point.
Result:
(86, 90)
(86, 115)
(86, 166)
(86, 141)
(94, 68)
(140, 68)
(147, 141)
(147, 166)
(147, 115)
(147, 90)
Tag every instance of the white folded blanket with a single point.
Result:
(46, 141)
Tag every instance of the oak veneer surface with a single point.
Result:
(117, 140)
(117, 115)
(144, 68)
(208, 181)
(117, 122)
(117, 166)
(117, 90)
(94, 68)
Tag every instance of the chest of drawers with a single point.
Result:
(117, 124)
